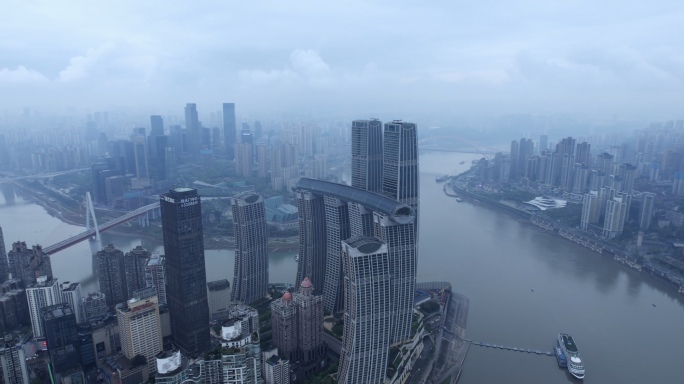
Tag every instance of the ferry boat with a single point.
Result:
(574, 361)
(442, 179)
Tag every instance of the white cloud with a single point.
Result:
(80, 66)
(21, 75)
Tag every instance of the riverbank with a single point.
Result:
(453, 189)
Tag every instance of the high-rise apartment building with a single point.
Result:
(156, 125)
(140, 327)
(250, 281)
(71, 294)
(616, 214)
(284, 325)
(368, 311)
(186, 292)
(590, 210)
(111, 274)
(135, 262)
(311, 348)
(13, 362)
(95, 306)
(229, 133)
(27, 264)
(312, 239)
(155, 276)
(400, 163)
(243, 159)
(44, 293)
(367, 161)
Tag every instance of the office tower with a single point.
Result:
(337, 229)
(61, 336)
(590, 210)
(186, 293)
(4, 265)
(284, 325)
(526, 149)
(515, 152)
(27, 264)
(276, 370)
(95, 306)
(250, 281)
(71, 294)
(156, 277)
(229, 133)
(366, 168)
(135, 262)
(368, 311)
(616, 214)
(13, 362)
(219, 298)
(312, 238)
(43, 293)
(192, 127)
(156, 125)
(400, 163)
(142, 169)
(140, 326)
(243, 159)
(399, 235)
(111, 274)
(170, 167)
(646, 214)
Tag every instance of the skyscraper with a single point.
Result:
(399, 235)
(337, 229)
(111, 274)
(312, 239)
(61, 336)
(367, 153)
(590, 210)
(156, 125)
(367, 315)
(140, 327)
(27, 264)
(250, 281)
(400, 163)
(284, 325)
(192, 127)
(616, 214)
(229, 129)
(4, 266)
(186, 294)
(646, 214)
(310, 344)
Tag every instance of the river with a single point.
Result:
(524, 285)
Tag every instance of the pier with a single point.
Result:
(507, 348)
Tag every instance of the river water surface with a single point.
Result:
(524, 285)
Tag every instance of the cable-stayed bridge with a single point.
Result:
(93, 229)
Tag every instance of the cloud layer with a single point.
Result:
(273, 57)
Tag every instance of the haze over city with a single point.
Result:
(306, 58)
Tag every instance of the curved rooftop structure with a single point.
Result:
(398, 212)
(244, 198)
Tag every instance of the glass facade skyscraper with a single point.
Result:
(368, 311)
(312, 239)
(400, 163)
(229, 129)
(366, 168)
(186, 294)
(250, 277)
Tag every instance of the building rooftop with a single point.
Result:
(56, 311)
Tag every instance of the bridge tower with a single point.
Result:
(95, 242)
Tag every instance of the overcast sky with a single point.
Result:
(450, 57)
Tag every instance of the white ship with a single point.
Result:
(574, 361)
